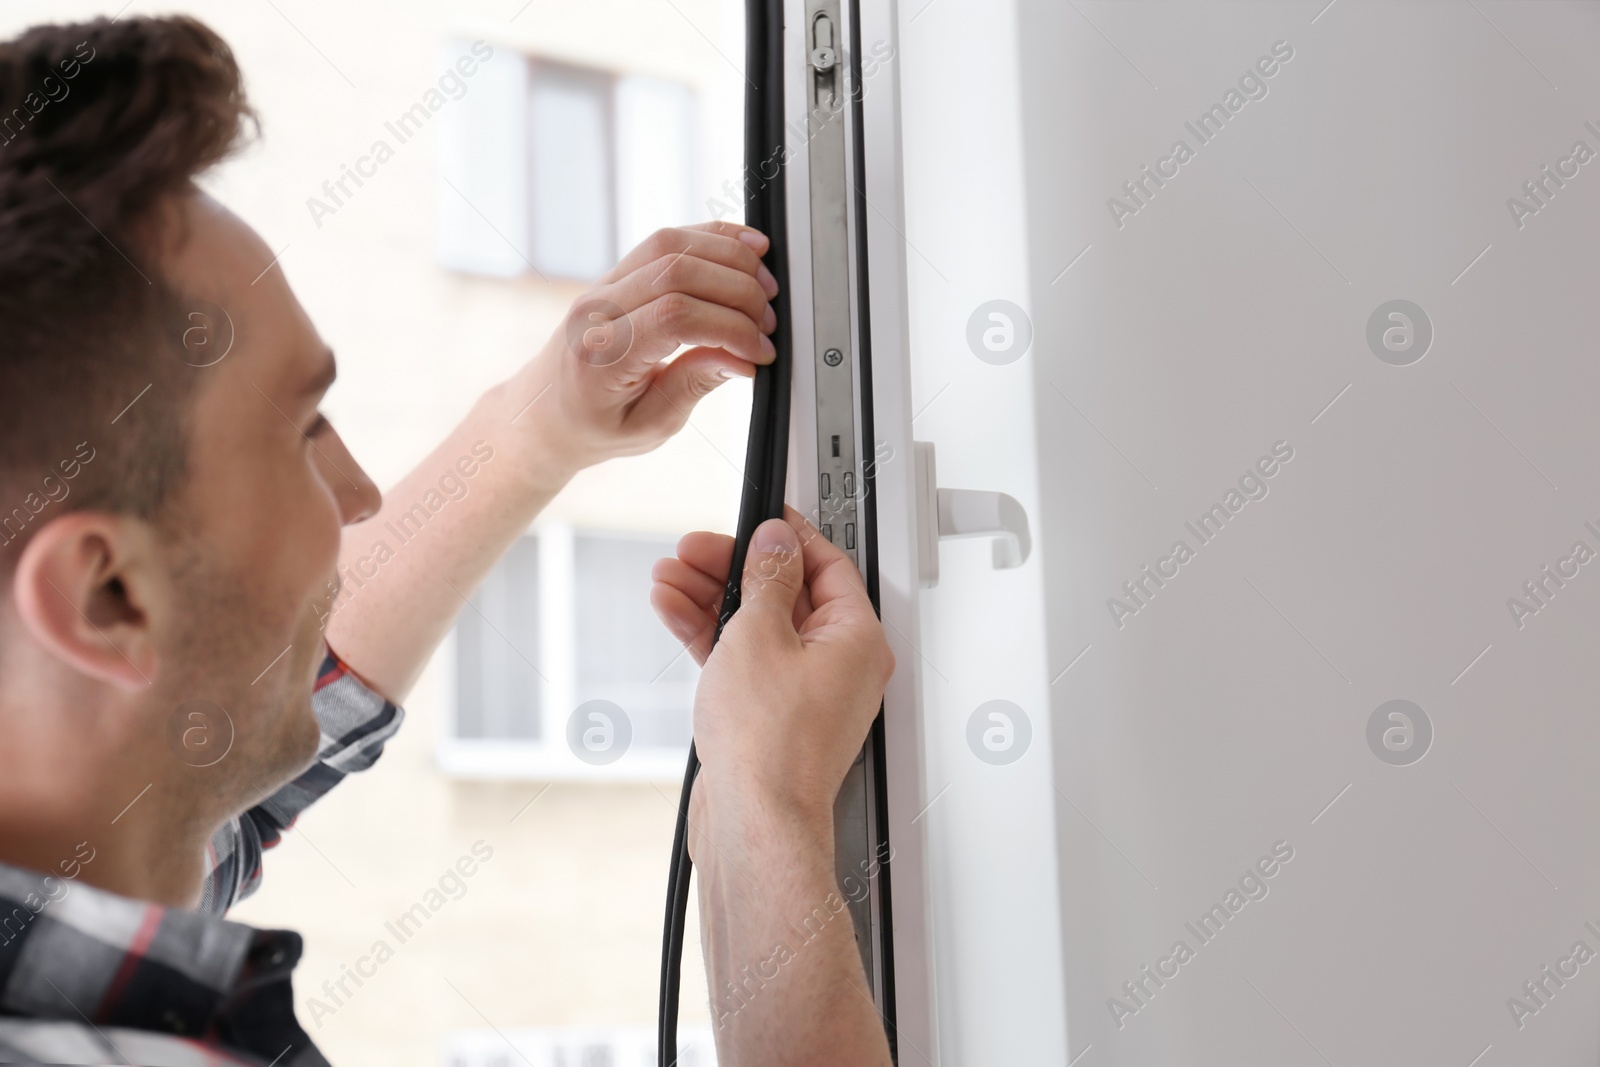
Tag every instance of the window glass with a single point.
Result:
(623, 652)
(497, 650)
(591, 592)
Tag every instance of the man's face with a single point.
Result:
(256, 525)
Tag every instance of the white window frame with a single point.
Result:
(548, 758)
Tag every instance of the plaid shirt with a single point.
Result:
(89, 977)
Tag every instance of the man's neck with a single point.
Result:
(140, 851)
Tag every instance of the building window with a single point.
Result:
(561, 623)
(549, 167)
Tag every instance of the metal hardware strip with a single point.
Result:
(831, 126)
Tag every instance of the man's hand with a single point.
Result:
(787, 697)
(609, 393)
(783, 706)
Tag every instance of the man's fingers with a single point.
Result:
(829, 575)
(674, 319)
(774, 574)
(700, 571)
(697, 277)
(708, 552)
(701, 575)
(719, 242)
(681, 384)
(693, 625)
(755, 237)
(841, 607)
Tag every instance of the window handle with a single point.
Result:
(949, 513)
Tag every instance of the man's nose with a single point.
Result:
(357, 494)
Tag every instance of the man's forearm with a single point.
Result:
(786, 981)
(406, 573)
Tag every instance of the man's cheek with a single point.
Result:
(314, 624)
(280, 543)
(313, 564)
(290, 584)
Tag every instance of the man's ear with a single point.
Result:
(88, 587)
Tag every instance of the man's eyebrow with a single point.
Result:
(326, 373)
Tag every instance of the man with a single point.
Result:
(171, 505)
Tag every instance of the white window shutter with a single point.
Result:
(483, 167)
(655, 157)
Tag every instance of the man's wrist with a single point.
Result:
(740, 815)
(521, 411)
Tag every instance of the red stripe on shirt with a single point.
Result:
(131, 959)
(330, 676)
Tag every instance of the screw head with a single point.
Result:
(833, 357)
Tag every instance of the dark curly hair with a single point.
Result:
(101, 124)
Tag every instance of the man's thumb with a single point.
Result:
(773, 570)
